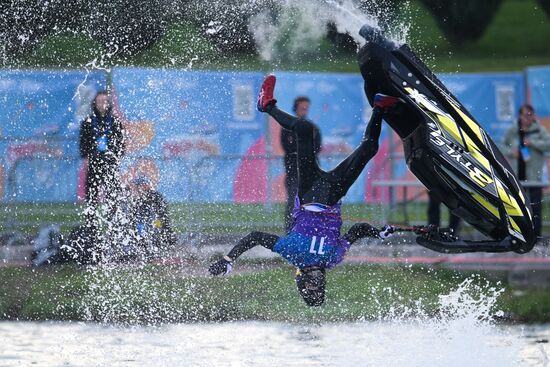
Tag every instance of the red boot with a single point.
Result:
(265, 98)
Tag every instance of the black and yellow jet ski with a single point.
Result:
(448, 151)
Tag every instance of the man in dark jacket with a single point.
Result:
(102, 146)
(288, 141)
(150, 219)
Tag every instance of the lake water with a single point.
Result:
(383, 343)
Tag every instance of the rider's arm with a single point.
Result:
(225, 264)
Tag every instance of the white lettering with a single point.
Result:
(436, 138)
(321, 252)
(312, 247)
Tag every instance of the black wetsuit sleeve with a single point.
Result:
(361, 230)
(286, 120)
(253, 239)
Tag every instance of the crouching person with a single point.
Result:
(150, 222)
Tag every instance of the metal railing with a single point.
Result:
(14, 212)
(406, 202)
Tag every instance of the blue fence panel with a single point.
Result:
(42, 111)
(44, 180)
(196, 118)
(200, 135)
(538, 81)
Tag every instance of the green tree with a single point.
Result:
(462, 21)
(24, 22)
(226, 22)
(124, 26)
(545, 5)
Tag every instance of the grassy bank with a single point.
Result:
(218, 218)
(159, 294)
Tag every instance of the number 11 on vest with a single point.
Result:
(312, 247)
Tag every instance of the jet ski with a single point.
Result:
(448, 151)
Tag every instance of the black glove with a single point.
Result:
(222, 266)
(386, 231)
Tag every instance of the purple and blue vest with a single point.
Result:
(315, 236)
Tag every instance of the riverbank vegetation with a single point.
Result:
(161, 294)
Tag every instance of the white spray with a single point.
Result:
(294, 29)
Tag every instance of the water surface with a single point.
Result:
(275, 344)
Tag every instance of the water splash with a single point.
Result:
(289, 29)
(471, 301)
(463, 331)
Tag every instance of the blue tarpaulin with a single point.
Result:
(198, 134)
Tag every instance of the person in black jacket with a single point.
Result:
(150, 220)
(102, 146)
(288, 142)
(141, 232)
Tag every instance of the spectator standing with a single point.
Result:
(288, 142)
(524, 145)
(102, 147)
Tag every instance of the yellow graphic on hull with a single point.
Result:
(515, 225)
(510, 204)
(476, 153)
(486, 204)
(450, 126)
(471, 123)
(479, 177)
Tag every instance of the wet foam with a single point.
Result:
(289, 29)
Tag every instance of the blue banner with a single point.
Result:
(42, 111)
(192, 129)
(198, 136)
(538, 81)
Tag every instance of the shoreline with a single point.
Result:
(258, 291)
